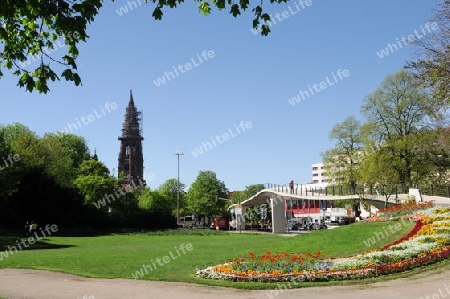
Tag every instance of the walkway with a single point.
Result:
(33, 284)
(282, 194)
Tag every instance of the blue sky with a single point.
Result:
(247, 79)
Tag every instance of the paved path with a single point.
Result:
(33, 284)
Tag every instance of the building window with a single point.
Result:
(315, 168)
(315, 174)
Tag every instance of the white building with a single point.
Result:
(322, 177)
(318, 173)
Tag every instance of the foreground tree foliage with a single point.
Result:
(33, 29)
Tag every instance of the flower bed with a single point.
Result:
(405, 209)
(428, 242)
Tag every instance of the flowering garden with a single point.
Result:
(428, 242)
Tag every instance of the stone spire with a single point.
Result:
(131, 161)
(131, 127)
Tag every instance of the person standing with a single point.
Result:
(291, 186)
(27, 229)
(33, 227)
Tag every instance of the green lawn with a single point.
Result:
(120, 256)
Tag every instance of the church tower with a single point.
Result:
(131, 159)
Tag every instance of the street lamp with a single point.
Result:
(178, 186)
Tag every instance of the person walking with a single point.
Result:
(291, 186)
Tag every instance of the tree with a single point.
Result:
(7, 181)
(377, 171)
(57, 160)
(97, 185)
(432, 68)
(169, 191)
(10, 176)
(74, 146)
(201, 196)
(157, 207)
(342, 161)
(33, 29)
(154, 201)
(253, 189)
(238, 196)
(396, 123)
(437, 154)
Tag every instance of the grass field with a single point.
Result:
(121, 255)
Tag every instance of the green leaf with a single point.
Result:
(8, 64)
(265, 17)
(73, 50)
(235, 11)
(157, 13)
(30, 84)
(220, 4)
(265, 30)
(67, 74)
(244, 4)
(204, 8)
(76, 79)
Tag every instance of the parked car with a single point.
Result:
(293, 226)
(186, 222)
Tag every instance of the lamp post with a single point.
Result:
(178, 186)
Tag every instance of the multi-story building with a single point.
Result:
(318, 173)
(322, 175)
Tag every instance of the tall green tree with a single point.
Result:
(439, 157)
(342, 161)
(8, 182)
(203, 193)
(396, 123)
(157, 207)
(168, 190)
(154, 201)
(31, 30)
(11, 132)
(432, 67)
(238, 196)
(74, 146)
(378, 175)
(57, 160)
(251, 190)
(97, 185)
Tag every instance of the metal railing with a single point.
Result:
(342, 190)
